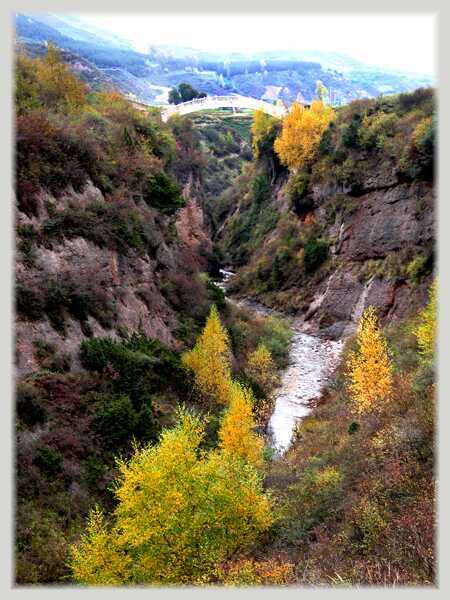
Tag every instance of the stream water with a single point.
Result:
(311, 362)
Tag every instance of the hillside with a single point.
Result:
(146, 387)
(272, 75)
(111, 285)
(354, 228)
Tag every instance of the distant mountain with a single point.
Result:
(76, 28)
(272, 75)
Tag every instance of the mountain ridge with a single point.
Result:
(148, 77)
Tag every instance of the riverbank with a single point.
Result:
(312, 361)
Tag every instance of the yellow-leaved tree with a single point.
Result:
(263, 132)
(369, 367)
(426, 329)
(300, 135)
(180, 512)
(209, 361)
(261, 368)
(237, 436)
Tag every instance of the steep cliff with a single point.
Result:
(75, 282)
(356, 228)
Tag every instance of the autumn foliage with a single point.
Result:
(180, 512)
(209, 361)
(249, 571)
(263, 131)
(301, 132)
(369, 368)
(261, 368)
(48, 81)
(426, 330)
(237, 436)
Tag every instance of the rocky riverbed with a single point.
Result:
(312, 360)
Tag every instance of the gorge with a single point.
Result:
(124, 226)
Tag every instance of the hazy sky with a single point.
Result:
(405, 42)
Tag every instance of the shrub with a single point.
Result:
(376, 129)
(421, 98)
(350, 131)
(94, 468)
(61, 295)
(264, 130)
(48, 460)
(314, 497)
(216, 295)
(276, 336)
(316, 252)
(139, 365)
(261, 369)
(115, 420)
(28, 407)
(297, 189)
(417, 268)
(131, 366)
(29, 303)
(49, 359)
(259, 187)
(422, 149)
(425, 330)
(27, 238)
(117, 225)
(243, 572)
(163, 193)
(368, 524)
(52, 154)
(353, 428)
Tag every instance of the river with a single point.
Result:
(312, 360)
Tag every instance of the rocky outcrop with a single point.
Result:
(385, 230)
(131, 283)
(380, 241)
(191, 226)
(386, 221)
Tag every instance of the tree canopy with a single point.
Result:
(180, 513)
(183, 93)
(301, 132)
(369, 367)
(209, 361)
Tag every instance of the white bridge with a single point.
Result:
(234, 101)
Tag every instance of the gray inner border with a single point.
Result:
(441, 10)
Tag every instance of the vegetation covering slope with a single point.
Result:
(352, 213)
(357, 488)
(107, 295)
(142, 395)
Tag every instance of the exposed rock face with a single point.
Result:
(132, 283)
(386, 221)
(374, 233)
(394, 223)
(191, 227)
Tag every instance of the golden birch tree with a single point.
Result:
(300, 135)
(369, 367)
(209, 361)
(237, 436)
(180, 512)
